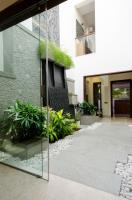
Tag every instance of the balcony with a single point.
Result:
(85, 44)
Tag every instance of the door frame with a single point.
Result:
(100, 92)
(84, 87)
(116, 81)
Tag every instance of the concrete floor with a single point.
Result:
(92, 157)
(16, 185)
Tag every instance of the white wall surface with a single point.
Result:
(113, 24)
(1, 53)
(80, 19)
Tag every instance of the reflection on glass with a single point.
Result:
(23, 136)
(121, 98)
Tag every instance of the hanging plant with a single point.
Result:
(55, 53)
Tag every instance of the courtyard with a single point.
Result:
(65, 100)
(93, 154)
(83, 163)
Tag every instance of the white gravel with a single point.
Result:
(54, 149)
(125, 171)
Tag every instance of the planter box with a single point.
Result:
(88, 119)
(71, 86)
(26, 149)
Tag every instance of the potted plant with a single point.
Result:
(88, 108)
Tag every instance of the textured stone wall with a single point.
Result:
(21, 76)
(53, 24)
(21, 79)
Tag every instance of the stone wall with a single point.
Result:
(53, 24)
(21, 76)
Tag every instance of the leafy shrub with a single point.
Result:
(88, 109)
(60, 125)
(23, 121)
(55, 53)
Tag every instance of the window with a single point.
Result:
(85, 28)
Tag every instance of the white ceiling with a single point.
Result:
(86, 7)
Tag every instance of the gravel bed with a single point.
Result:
(125, 171)
(35, 162)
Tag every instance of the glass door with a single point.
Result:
(24, 139)
(120, 91)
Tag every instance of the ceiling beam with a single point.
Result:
(6, 3)
(21, 10)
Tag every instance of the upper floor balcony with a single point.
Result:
(85, 44)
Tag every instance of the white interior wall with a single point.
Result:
(113, 39)
(80, 19)
(90, 19)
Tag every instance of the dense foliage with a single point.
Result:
(88, 108)
(60, 125)
(24, 121)
(55, 53)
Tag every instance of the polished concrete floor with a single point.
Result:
(16, 185)
(92, 157)
(81, 171)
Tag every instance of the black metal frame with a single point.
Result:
(24, 9)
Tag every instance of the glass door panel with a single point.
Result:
(121, 98)
(23, 136)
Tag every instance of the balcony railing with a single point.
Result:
(85, 44)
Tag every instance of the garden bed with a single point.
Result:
(89, 119)
(26, 149)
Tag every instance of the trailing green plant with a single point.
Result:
(88, 108)
(60, 125)
(55, 53)
(23, 121)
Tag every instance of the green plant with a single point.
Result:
(49, 131)
(88, 109)
(42, 49)
(56, 53)
(60, 125)
(23, 121)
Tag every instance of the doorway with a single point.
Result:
(97, 96)
(121, 98)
